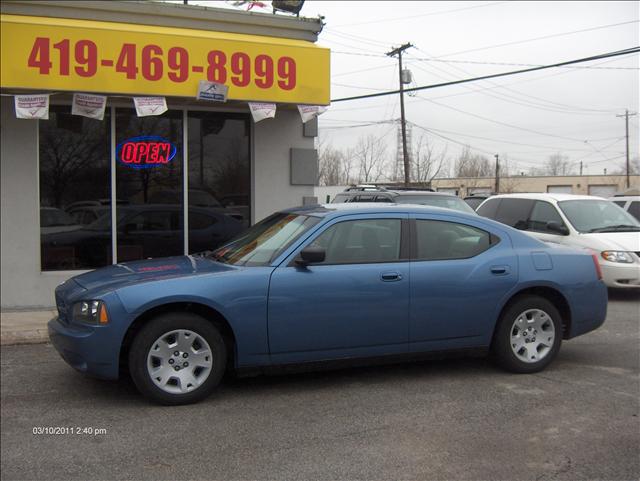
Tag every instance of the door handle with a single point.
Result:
(391, 276)
(500, 270)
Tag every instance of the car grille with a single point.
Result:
(63, 314)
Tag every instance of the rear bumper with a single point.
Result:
(84, 349)
(621, 275)
(588, 308)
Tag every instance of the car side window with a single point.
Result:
(542, 213)
(440, 240)
(361, 241)
(634, 209)
(383, 198)
(489, 208)
(621, 203)
(514, 212)
(363, 198)
(200, 221)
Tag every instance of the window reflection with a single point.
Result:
(219, 178)
(150, 217)
(75, 189)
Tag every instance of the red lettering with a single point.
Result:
(127, 154)
(142, 149)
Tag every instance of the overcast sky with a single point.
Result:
(524, 117)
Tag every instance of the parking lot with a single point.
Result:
(453, 419)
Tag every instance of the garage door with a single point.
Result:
(603, 190)
(560, 189)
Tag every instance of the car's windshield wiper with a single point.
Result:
(613, 228)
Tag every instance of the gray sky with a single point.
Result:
(525, 117)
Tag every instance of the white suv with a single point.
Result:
(630, 203)
(576, 220)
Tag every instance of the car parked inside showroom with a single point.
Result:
(337, 283)
(576, 220)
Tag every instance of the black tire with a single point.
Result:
(501, 347)
(162, 325)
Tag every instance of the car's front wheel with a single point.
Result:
(528, 335)
(177, 358)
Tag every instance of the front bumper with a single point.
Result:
(621, 275)
(84, 348)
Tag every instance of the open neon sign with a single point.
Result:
(145, 152)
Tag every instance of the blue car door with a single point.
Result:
(354, 304)
(461, 270)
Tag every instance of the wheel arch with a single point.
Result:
(206, 312)
(549, 293)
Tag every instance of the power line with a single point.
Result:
(503, 74)
(476, 62)
(363, 70)
(539, 38)
(442, 12)
(511, 99)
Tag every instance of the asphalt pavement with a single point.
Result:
(453, 419)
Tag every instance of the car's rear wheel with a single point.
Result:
(528, 335)
(177, 358)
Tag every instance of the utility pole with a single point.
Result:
(626, 124)
(497, 174)
(398, 51)
(580, 167)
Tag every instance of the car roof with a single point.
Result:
(547, 196)
(324, 210)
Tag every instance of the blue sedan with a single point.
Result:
(333, 283)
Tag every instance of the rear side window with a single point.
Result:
(489, 208)
(438, 240)
(340, 198)
(621, 203)
(542, 213)
(634, 209)
(383, 198)
(514, 212)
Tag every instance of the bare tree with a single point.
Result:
(557, 164)
(472, 165)
(634, 167)
(330, 168)
(371, 155)
(425, 162)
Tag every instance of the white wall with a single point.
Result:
(272, 173)
(24, 286)
(21, 282)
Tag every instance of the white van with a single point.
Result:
(576, 220)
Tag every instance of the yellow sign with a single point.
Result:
(52, 54)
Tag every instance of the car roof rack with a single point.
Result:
(364, 188)
(416, 189)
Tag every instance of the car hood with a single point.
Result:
(127, 273)
(620, 241)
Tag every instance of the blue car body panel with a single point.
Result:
(283, 313)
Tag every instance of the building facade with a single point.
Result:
(80, 193)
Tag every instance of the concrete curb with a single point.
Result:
(25, 327)
(37, 336)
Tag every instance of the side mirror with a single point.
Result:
(557, 228)
(311, 255)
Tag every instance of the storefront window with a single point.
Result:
(75, 191)
(75, 185)
(219, 178)
(149, 185)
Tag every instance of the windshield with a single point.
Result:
(263, 242)
(448, 202)
(598, 216)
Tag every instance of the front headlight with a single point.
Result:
(90, 312)
(617, 256)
